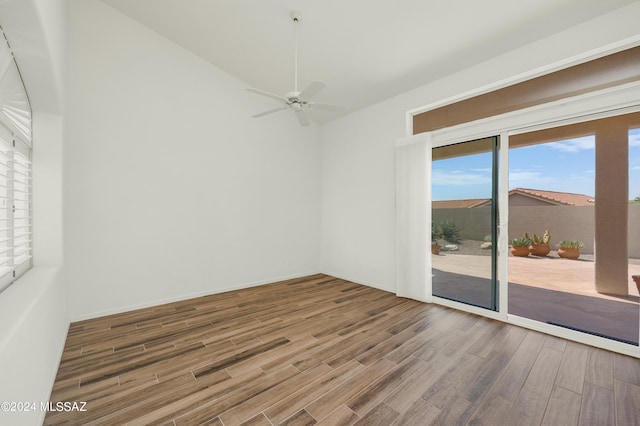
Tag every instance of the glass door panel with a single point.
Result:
(464, 222)
(553, 176)
(633, 225)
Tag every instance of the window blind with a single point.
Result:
(15, 171)
(15, 207)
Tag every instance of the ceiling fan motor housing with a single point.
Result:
(296, 16)
(297, 100)
(292, 95)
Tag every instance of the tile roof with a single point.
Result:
(561, 198)
(459, 204)
(551, 197)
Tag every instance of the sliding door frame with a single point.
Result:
(606, 103)
(495, 173)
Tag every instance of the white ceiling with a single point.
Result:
(364, 51)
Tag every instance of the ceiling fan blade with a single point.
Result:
(302, 118)
(271, 111)
(325, 107)
(312, 89)
(295, 100)
(269, 95)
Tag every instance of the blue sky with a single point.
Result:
(566, 166)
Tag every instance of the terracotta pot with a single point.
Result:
(435, 248)
(569, 253)
(519, 251)
(539, 249)
(636, 279)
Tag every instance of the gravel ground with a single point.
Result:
(466, 247)
(473, 247)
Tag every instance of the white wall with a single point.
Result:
(33, 315)
(171, 189)
(358, 175)
(33, 328)
(47, 211)
(52, 15)
(358, 196)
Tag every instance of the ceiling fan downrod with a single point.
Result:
(297, 17)
(297, 101)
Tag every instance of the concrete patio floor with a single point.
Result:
(547, 289)
(573, 276)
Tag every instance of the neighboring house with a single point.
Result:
(459, 204)
(537, 197)
(523, 197)
(528, 212)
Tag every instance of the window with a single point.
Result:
(15, 171)
(15, 207)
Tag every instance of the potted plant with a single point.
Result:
(636, 279)
(539, 245)
(569, 249)
(520, 247)
(436, 232)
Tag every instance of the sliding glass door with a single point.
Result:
(568, 174)
(464, 224)
(569, 184)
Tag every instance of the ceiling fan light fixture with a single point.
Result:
(297, 101)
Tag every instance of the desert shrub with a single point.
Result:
(450, 231)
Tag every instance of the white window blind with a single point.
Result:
(413, 218)
(15, 110)
(15, 171)
(15, 207)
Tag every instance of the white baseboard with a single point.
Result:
(359, 281)
(187, 296)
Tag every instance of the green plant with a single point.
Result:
(544, 239)
(570, 244)
(521, 242)
(450, 231)
(436, 232)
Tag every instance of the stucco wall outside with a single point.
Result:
(563, 223)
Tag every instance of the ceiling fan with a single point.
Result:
(297, 101)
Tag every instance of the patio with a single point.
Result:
(547, 289)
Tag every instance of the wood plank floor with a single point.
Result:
(320, 350)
